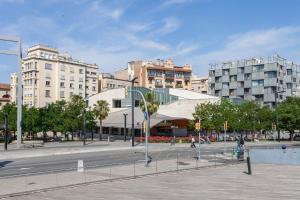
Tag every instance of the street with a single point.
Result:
(58, 163)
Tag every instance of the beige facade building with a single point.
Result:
(4, 94)
(14, 87)
(200, 84)
(49, 76)
(108, 81)
(158, 74)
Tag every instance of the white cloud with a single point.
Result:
(169, 25)
(12, 1)
(104, 11)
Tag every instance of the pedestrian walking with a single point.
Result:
(193, 142)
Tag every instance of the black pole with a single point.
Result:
(249, 165)
(6, 132)
(132, 113)
(83, 125)
(276, 114)
(125, 128)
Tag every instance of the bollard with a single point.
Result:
(215, 160)
(177, 162)
(249, 165)
(110, 172)
(156, 166)
(134, 168)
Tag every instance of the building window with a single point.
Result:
(62, 84)
(72, 85)
(289, 71)
(80, 79)
(62, 68)
(71, 78)
(257, 83)
(116, 103)
(80, 71)
(47, 93)
(247, 76)
(62, 94)
(62, 77)
(47, 83)
(94, 88)
(289, 85)
(48, 66)
(71, 69)
(71, 94)
(80, 86)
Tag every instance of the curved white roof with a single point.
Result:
(186, 94)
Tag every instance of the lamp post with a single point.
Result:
(125, 124)
(132, 112)
(276, 112)
(17, 53)
(6, 132)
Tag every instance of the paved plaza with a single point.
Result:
(223, 182)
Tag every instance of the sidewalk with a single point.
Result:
(115, 172)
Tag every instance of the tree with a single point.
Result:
(101, 111)
(11, 110)
(289, 115)
(152, 106)
(90, 121)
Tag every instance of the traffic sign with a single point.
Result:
(197, 125)
(145, 115)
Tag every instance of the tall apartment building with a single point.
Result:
(199, 84)
(14, 87)
(255, 79)
(49, 76)
(107, 81)
(158, 74)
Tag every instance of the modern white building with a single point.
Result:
(176, 109)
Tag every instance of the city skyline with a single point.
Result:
(121, 31)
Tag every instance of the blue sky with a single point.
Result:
(113, 32)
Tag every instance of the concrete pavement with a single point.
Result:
(268, 182)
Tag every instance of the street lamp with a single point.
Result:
(6, 131)
(132, 111)
(17, 53)
(276, 112)
(125, 124)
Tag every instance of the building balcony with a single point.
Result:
(240, 77)
(268, 82)
(218, 72)
(288, 78)
(169, 76)
(218, 86)
(240, 91)
(158, 84)
(179, 86)
(271, 67)
(248, 97)
(225, 79)
(248, 69)
(233, 85)
(225, 92)
(258, 75)
(233, 71)
(248, 84)
(211, 79)
(258, 90)
(169, 85)
(269, 97)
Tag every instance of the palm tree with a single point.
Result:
(101, 111)
(152, 106)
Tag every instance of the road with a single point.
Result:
(49, 164)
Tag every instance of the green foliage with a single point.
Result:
(101, 110)
(289, 114)
(248, 116)
(152, 105)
